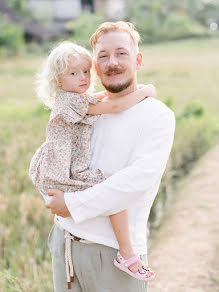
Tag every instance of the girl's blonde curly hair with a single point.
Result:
(56, 64)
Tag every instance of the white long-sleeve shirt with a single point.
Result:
(133, 146)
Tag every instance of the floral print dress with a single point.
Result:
(62, 161)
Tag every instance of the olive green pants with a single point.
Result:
(94, 270)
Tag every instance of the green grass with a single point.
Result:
(183, 71)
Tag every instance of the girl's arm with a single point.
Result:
(122, 103)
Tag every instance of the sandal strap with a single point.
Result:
(131, 261)
(127, 263)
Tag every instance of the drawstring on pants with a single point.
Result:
(68, 258)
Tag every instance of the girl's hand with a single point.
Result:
(150, 89)
(100, 95)
(141, 86)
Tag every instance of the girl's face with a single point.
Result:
(77, 77)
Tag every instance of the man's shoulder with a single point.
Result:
(151, 108)
(143, 114)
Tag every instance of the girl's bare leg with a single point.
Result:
(120, 226)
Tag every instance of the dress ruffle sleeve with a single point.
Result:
(71, 106)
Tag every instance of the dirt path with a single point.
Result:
(185, 252)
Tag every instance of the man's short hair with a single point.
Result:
(115, 26)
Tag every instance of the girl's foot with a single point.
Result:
(127, 255)
(134, 267)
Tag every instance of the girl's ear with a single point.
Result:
(59, 84)
(138, 61)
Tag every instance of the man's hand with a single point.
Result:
(57, 203)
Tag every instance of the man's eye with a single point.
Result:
(122, 53)
(86, 72)
(73, 73)
(103, 56)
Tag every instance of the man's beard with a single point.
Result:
(115, 88)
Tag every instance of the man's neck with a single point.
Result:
(131, 88)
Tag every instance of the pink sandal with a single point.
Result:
(145, 274)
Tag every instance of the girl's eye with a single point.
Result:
(86, 72)
(122, 53)
(73, 73)
(103, 56)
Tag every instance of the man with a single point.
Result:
(134, 147)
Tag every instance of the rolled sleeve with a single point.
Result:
(137, 181)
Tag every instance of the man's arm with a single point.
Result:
(122, 189)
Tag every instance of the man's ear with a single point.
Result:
(139, 61)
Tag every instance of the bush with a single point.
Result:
(195, 134)
(19, 7)
(200, 134)
(83, 27)
(178, 26)
(156, 22)
(11, 38)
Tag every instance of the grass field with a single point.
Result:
(183, 71)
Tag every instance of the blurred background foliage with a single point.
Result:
(11, 38)
(80, 30)
(157, 20)
(163, 20)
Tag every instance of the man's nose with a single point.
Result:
(112, 61)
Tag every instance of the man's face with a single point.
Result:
(116, 60)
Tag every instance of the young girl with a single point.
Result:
(62, 162)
